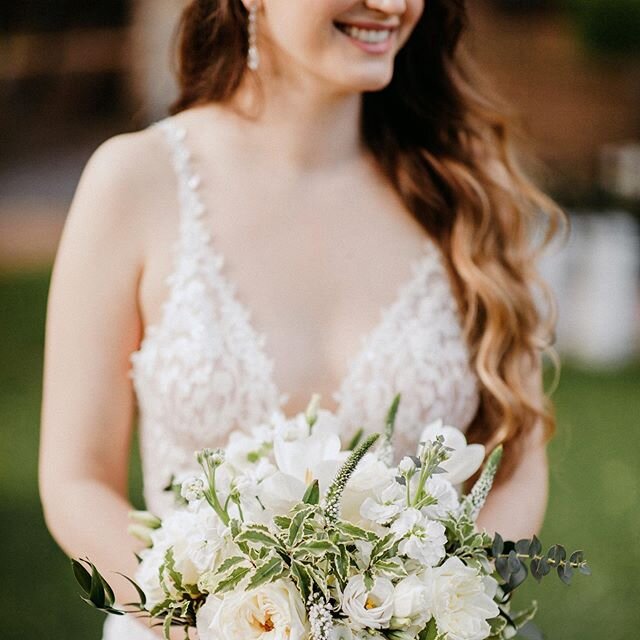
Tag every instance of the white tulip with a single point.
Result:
(465, 459)
(368, 609)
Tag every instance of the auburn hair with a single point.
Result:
(444, 142)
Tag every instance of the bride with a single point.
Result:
(331, 207)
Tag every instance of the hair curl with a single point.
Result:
(443, 141)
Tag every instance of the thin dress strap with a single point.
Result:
(193, 232)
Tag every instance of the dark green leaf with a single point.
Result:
(82, 576)
(514, 562)
(535, 548)
(502, 567)
(577, 557)
(141, 593)
(497, 546)
(96, 593)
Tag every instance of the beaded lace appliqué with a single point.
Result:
(203, 370)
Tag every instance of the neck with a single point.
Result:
(300, 122)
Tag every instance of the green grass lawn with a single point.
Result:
(594, 505)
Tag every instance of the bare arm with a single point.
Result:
(88, 402)
(516, 508)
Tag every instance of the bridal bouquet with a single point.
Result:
(285, 535)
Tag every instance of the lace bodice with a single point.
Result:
(203, 369)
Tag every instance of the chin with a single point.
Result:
(366, 80)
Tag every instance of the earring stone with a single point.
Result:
(253, 57)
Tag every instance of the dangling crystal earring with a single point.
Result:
(253, 58)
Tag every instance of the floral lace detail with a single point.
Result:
(202, 370)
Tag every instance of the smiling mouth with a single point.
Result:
(366, 36)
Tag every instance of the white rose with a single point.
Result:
(465, 458)
(461, 600)
(273, 611)
(368, 609)
(421, 539)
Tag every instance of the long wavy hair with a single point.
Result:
(443, 141)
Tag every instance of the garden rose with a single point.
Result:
(273, 611)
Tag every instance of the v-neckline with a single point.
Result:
(193, 211)
(261, 341)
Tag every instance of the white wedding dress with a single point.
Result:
(203, 370)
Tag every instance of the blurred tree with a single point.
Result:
(608, 26)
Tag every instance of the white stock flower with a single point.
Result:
(391, 502)
(421, 539)
(273, 611)
(461, 600)
(407, 465)
(465, 458)
(368, 609)
(444, 492)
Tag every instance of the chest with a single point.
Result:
(315, 263)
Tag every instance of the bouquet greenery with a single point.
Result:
(284, 535)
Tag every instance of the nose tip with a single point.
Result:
(388, 6)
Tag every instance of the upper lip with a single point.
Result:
(369, 25)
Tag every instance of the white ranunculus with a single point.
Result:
(465, 458)
(421, 539)
(460, 600)
(273, 611)
(368, 609)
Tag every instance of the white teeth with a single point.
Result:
(371, 36)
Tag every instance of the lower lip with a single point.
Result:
(371, 47)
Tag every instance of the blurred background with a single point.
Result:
(74, 73)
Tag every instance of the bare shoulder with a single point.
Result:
(124, 181)
(128, 165)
